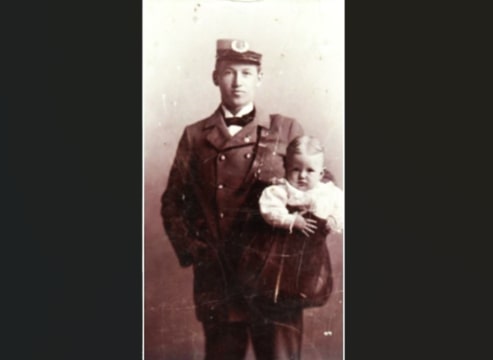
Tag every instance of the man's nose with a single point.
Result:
(236, 79)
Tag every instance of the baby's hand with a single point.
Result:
(306, 226)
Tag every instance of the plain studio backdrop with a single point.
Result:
(302, 43)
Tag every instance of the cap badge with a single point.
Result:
(240, 46)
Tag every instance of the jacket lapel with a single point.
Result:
(218, 133)
(219, 137)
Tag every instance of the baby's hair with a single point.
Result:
(307, 145)
(304, 145)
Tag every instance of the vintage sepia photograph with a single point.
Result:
(243, 156)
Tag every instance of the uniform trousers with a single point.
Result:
(275, 334)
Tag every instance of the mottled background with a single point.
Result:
(302, 43)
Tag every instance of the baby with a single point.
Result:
(306, 189)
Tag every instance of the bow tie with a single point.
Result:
(240, 121)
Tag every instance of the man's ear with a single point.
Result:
(214, 78)
(260, 76)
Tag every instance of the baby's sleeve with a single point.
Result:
(336, 217)
(273, 208)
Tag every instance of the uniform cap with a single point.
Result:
(236, 50)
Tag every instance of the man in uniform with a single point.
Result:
(221, 165)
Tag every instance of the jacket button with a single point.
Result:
(248, 155)
(222, 157)
(220, 186)
(221, 215)
(259, 171)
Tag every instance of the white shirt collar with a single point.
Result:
(245, 110)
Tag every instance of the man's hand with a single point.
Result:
(306, 226)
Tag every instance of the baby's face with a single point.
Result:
(304, 171)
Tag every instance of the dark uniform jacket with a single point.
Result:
(212, 192)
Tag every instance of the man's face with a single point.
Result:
(304, 171)
(237, 82)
